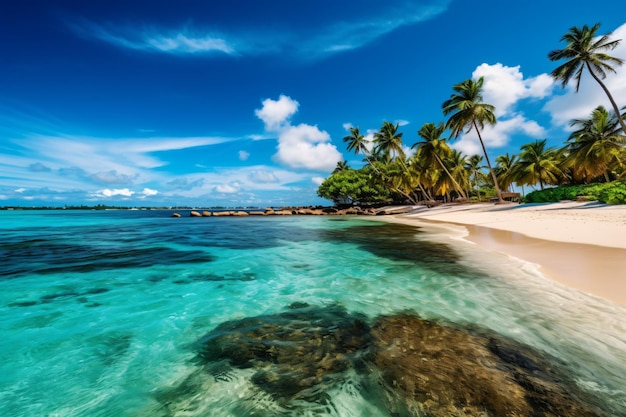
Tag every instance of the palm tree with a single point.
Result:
(474, 168)
(585, 50)
(506, 166)
(389, 142)
(433, 149)
(456, 163)
(596, 146)
(356, 142)
(401, 178)
(538, 164)
(468, 111)
(341, 166)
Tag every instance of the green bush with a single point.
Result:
(613, 193)
(610, 193)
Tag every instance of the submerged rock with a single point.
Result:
(294, 351)
(443, 371)
(406, 366)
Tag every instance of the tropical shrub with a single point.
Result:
(610, 193)
(353, 186)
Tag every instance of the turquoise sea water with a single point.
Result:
(100, 310)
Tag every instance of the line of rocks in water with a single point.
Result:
(305, 211)
(302, 211)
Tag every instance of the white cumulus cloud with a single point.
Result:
(318, 180)
(276, 113)
(306, 146)
(504, 86)
(147, 192)
(302, 146)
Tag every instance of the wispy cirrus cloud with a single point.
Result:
(49, 166)
(67, 163)
(183, 41)
(316, 41)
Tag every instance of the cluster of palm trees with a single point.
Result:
(595, 150)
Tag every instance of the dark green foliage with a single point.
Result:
(351, 186)
(610, 193)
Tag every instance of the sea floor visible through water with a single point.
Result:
(135, 313)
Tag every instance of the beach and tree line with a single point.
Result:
(591, 164)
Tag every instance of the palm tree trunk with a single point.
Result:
(411, 199)
(456, 184)
(613, 103)
(424, 192)
(493, 174)
(372, 165)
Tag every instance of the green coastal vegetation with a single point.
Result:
(590, 165)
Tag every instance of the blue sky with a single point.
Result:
(245, 103)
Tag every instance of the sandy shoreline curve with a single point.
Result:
(581, 245)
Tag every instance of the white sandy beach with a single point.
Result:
(581, 245)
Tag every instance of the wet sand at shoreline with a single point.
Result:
(592, 269)
(580, 245)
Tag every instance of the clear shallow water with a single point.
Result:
(101, 311)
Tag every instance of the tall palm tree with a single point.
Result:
(538, 164)
(506, 166)
(433, 149)
(468, 111)
(596, 146)
(388, 142)
(586, 50)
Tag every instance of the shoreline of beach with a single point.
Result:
(580, 245)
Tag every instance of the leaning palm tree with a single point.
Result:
(586, 50)
(388, 142)
(538, 164)
(596, 146)
(434, 149)
(468, 111)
